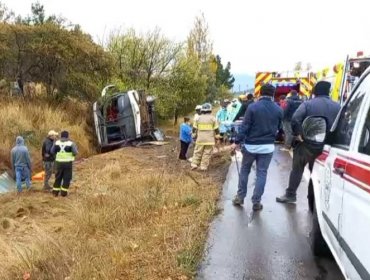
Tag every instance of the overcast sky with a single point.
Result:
(253, 35)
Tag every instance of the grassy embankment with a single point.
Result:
(33, 119)
(134, 213)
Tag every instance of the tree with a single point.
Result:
(308, 66)
(5, 14)
(65, 62)
(38, 17)
(223, 75)
(142, 60)
(298, 66)
(183, 88)
(200, 44)
(38, 13)
(198, 41)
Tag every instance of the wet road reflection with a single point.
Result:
(271, 244)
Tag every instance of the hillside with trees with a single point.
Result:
(60, 67)
(133, 213)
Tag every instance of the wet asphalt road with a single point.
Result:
(268, 245)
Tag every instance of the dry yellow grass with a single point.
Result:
(132, 214)
(34, 118)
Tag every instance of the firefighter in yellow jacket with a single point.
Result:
(205, 130)
(65, 151)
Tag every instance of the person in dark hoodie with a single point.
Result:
(21, 163)
(65, 151)
(292, 104)
(303, 152)
(48, 158)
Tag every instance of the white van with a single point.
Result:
(339, 189)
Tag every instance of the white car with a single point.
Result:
(339, 189)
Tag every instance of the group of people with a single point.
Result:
(57, 154)
(203, 132)
(231, 112)
(257, 134)
(207, 129)
(261, 120)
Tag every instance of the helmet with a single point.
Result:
(206, 107)
(242, 97)
(198, 107)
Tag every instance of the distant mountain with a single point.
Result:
(243, 82)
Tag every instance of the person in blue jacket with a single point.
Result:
(185, 137)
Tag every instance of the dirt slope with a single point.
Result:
(134, 213)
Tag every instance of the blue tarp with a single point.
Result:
(7, 184)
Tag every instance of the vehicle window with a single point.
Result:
(364, 146)
(343, 133)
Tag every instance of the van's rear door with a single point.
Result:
(98, 118)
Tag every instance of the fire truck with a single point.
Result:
(302, 82)
(344, 75)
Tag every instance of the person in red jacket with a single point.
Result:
(112, 113)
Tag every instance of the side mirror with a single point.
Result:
(314, 129)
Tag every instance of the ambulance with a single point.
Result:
(339, 185)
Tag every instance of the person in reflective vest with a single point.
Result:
(205, 130)
(65, 151)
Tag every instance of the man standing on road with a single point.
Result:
(21, 163)
(256, 137)
(48, 158)
(65, 151)
(303, 153)
(292, 104)
(205, 128)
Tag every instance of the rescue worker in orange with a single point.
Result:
(205, 130)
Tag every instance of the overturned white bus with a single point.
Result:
(123, 117)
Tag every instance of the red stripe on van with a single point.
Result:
(358, 161)
(322, 158)
(359, 173)
(356, 184)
